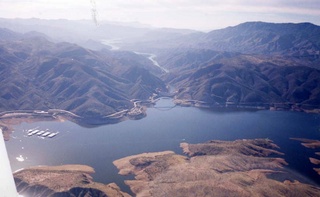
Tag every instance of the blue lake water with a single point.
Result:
(163, 129)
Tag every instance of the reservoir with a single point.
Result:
(164, 128)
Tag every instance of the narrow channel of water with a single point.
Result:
(152, 58)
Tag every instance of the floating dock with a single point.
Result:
(45, 134)
(40, 132)
(52, 135)
(33, 132)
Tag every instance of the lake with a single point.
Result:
(164, 128)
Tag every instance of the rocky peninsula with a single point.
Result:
(215, 168)
(66, 180)
(248, 167)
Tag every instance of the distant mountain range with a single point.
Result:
(252, 64)
(82, 31)
(265, 38)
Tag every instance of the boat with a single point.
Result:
(29, 134)
(40, 132)
(33, 132)
(33, 129)
(46, 134)
(53, 135)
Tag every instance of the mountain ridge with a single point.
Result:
(40, 75)
(265, 38)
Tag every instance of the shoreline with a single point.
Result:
(160, 103)
(134, 113)
(66, 180)
(247, 106)
(227, 168)
(10, 118)
(139, 111)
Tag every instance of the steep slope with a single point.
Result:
(299, 40)
(251, 64)
(252, 84)
(180, 60)
(145, 80)
(38, 74)
(255, 64)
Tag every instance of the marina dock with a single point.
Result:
(41, 133)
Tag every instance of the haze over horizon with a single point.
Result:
(201, 15)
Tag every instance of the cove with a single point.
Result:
(164, 128)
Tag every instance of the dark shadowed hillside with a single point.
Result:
(251, 83)
(299, 41)
(251, 64)
(259, 37)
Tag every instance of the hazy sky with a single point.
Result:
(194, 14)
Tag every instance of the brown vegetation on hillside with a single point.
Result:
(215, 168)
(67, 180)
